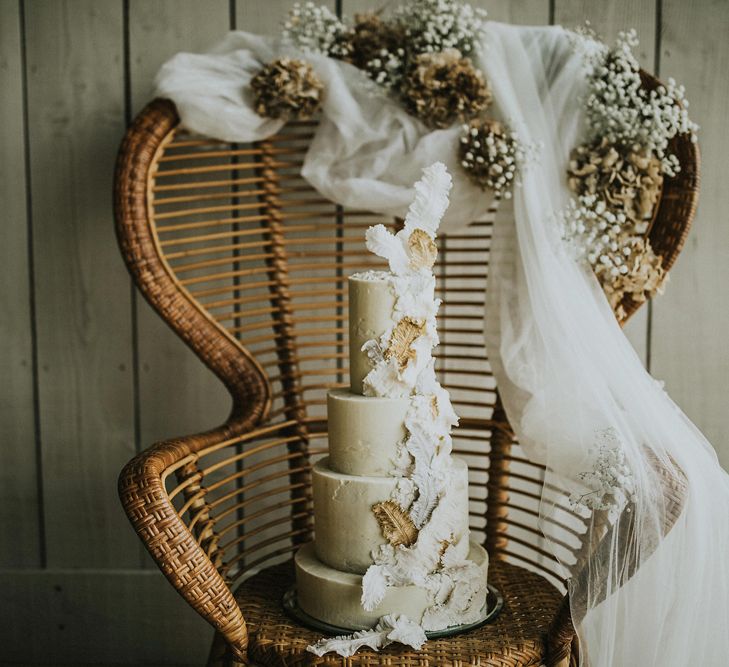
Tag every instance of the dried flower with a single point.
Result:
(492, 155)
(627, 179)
(619, 109)
(438, 25)
(287, 89)
(316, 29)
(440, 88)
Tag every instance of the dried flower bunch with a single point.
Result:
(422, 54)
(443, 87)
(288, 89)
(421, 51)
(617, 175)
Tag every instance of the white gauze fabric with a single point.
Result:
(653, 588)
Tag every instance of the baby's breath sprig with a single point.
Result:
(437, 25)
(620, 110)
(492, 155)
(595, 232)
(610, 483)
(387, 68)
(315, 28)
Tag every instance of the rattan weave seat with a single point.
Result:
(515, 638)
(248, 265)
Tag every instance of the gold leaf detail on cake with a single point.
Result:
(395, 523)
(405, 333)
(422, 248)
(434, 405)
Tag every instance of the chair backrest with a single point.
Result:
(248, 264)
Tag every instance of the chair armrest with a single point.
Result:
(170, 542)
(562, 639)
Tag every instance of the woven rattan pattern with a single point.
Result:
(248, 265)
(516, 637)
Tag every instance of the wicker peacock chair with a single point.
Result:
(248, 265)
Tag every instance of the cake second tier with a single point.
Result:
(364, 432)
(345, 528)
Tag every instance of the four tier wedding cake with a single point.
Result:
(392, 543)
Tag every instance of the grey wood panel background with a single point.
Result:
(90, 375)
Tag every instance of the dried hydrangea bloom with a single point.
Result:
(627, 179)
(287, 89)
(645, 275)
(444, 87)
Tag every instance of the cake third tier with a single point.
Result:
(346, 528)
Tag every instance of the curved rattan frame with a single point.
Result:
(231, 362)
(677, 207)
(183, 557)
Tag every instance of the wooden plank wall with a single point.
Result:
(90, 375)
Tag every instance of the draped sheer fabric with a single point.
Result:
(651, 585)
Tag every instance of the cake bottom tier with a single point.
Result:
(333, 596)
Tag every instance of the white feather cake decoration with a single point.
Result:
(432, 491)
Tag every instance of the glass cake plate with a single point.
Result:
(494, 604)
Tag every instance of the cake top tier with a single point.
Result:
(392, 324)
(371, 313)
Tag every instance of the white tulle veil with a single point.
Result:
(651, 586)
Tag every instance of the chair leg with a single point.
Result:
(218, 652)
(220, 656)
